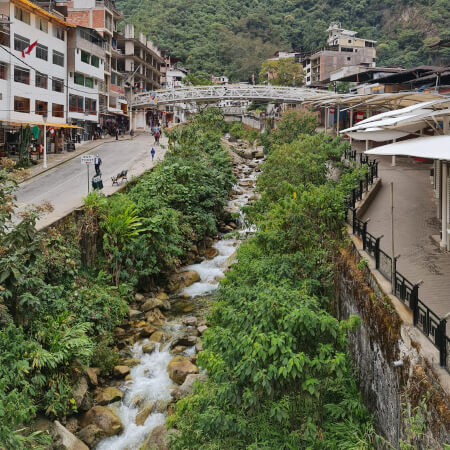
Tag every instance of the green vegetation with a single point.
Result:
(279, 372)
(233, 37)
(284, 72)
(63, 291)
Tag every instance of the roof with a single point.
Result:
(433, 147)
(368, 74)
(41, 12)
(409, 74)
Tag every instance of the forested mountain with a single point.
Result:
(232, 37)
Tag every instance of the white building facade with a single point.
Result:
(33, 88)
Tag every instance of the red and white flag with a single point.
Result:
(51, 131)
(29, 49)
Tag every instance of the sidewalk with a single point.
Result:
(54, 160)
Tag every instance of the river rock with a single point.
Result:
(64, 440)
(188, 385)
(139, 298)
(179, 368)
(158, 336)
(147, 331)
(108, 395)
(162, 295)
(104, 419)
(119, 332)
(149, 348)
(91, 435)
(186, 341)
(144, 412)
(155, 317)
(92, 373)
(211, 253)
(178, 349)
(121, 371)
(131, 362)
(79, 390)
(178, 281)
(198, 347)
(190, 321)
(135, 314)
(157, 439)
(201, 329)
(153, 303)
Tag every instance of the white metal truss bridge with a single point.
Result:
(214, 94)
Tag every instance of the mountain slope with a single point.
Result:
(232, 37)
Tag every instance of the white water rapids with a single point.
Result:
(149, 379)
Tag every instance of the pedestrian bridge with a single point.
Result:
(214, 94)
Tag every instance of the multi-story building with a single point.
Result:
(343, 49)
(86, 63)
(103, 16)
(32, 84)
(172, 73)
(141, 61)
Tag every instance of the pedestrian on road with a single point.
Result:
(156, 137)
(117, 134)
(97, 164)
(152, 151)
(132, 134)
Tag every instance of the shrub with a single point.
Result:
(104, 357)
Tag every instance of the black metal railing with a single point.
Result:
(428, 322)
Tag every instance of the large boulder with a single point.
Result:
(104, 419)
(64, 440)
(158, 336)
(190, 321)
(179, 281)
(147, 331)
(153, 303)
(121, 371)
(144, 412)
(108, 395)
(135, 314)
(91, 435)
(131, 362)
(79, 390)
(186, 388)
(211, 253)
(179, 368)
(185, 341)
(149, 348)
(92, 373)
(157, 439)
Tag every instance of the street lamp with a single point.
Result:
(44, 118)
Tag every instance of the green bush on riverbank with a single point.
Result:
(279, 372)
(63, 291)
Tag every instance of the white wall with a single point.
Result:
(89, 69)
(30, 91)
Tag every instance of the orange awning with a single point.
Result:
(41, 12)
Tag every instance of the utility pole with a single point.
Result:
(393, 268)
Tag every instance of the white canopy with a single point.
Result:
(432, 147)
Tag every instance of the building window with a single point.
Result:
(57, 110)
(113, 78)
(58, 32)
(78, 79)
(89, 82)
(90, 105)
(76, 103)
(42, 52)
(21, 75)
(57, 85)
(349, 58)
(95, 61)
(41, 108)
(3, 70)
(22, 104)
(42, 24)
(20, 43)
(23, 16)
(85, 57)
(41, 80)
(58, 58)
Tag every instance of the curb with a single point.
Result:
(70, 159)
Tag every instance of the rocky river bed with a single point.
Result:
(159, 341)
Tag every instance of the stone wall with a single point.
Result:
(390, 391)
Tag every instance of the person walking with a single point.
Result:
(132, 134)
(157, 137)
(152, 151)
(117, 134)
(97, 164)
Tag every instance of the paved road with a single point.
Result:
(65, 186)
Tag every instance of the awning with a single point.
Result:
(49, 124)
(41, 12)
(432, 147)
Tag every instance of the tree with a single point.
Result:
(283, 72)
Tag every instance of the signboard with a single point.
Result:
(87, 159)
(332, 110)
